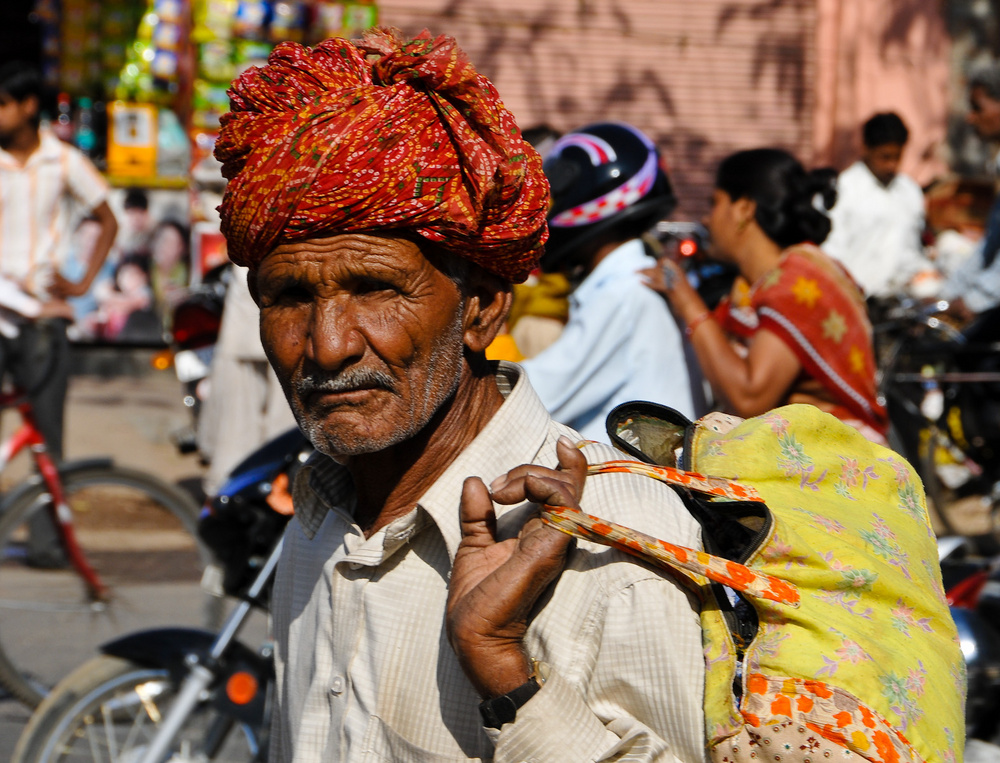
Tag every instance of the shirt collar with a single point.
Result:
(514, 436)
(875, 181)
(49, 149)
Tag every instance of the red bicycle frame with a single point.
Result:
(28, 436)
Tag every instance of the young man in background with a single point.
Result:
(878, 220)
(45, 185)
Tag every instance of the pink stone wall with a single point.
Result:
(884, 55)
(702, 77)
(708, 77)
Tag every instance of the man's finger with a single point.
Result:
(476, 512)
(554, 492)
(573, 463)
(507, 488)
(561, 487)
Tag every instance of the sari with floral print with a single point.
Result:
(815, 308)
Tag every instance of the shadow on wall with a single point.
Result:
(582, 61)
(787, 52)
(703, 78)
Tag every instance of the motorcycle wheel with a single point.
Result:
(109, 709)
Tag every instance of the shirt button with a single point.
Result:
(337, 685)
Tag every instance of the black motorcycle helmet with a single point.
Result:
(604, 176)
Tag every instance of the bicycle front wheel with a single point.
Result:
(109, 710)
(138, 533)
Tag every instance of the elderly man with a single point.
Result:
(384, 201)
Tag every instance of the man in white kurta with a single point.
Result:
(878, 219)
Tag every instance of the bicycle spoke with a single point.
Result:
(135, 729)
(140, 537)
(94, 750)
(109, 710)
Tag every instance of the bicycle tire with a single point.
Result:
(108, 709)
(139, 533)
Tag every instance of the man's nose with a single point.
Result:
(334, 335)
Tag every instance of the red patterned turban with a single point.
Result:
(374, 135)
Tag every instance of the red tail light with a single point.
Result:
(966, 593)
(688, 247)
(241, 688)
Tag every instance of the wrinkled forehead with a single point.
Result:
(356, 250)
(403, 244)
(404, 262)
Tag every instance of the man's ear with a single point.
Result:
(486, 309)
(252, 285)
(31, 106)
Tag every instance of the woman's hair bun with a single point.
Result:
(822, 183)
(791, 202)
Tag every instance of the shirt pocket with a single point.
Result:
(385, 745)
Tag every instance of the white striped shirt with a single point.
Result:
(39, 202)
(364, 668)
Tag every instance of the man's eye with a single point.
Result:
(374, 286)
(288, 295)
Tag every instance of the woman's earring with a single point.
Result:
(742, 226)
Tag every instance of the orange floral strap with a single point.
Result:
(716, 486)
(668, 555)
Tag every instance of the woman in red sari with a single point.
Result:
(795, 329)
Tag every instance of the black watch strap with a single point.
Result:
(503, 709)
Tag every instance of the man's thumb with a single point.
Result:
(476, 511)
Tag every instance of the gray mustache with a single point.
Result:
(345, 381)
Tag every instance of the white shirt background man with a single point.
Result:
(879, 216)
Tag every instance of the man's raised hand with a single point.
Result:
(494, 584)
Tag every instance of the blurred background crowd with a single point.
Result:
(139, 86)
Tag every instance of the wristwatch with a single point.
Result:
(503, 709)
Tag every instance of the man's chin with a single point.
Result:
(342, 452)
(343, 443)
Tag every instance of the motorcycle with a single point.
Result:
(180, 694)
(941, 387)
(688, 244)
(194, 329)
(972, 587)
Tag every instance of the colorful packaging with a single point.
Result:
(288, 21)
(251, 20)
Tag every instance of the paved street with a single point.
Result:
(129, 418)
